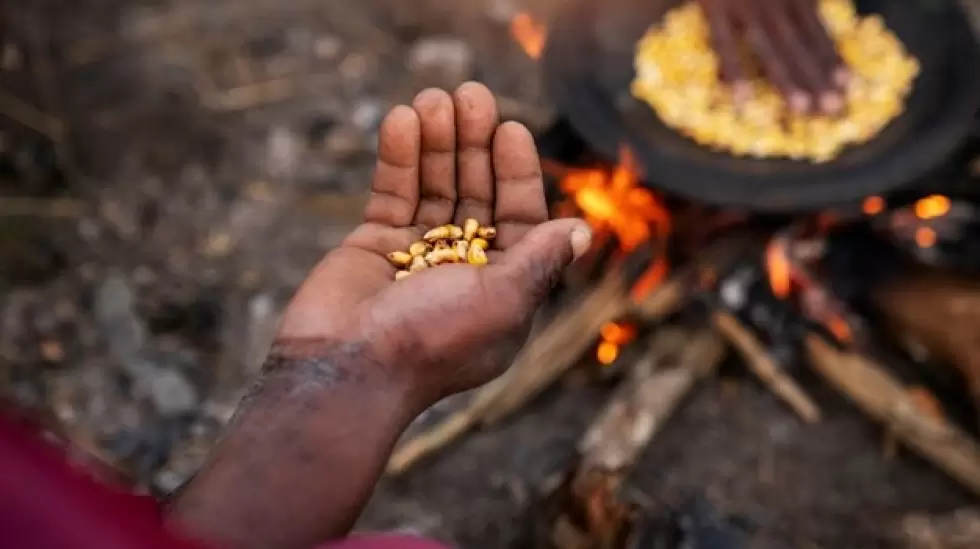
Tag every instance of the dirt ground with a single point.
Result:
(217, 150)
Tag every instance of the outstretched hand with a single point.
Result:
(442, 160)
(794, 49)
(359, 354)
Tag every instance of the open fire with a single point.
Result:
(672, 284)
(618, 206)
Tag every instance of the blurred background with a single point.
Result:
(171, 169)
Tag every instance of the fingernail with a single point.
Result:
(831, 103)
(581, 240)
(799, 101)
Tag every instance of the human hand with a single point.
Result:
(795, 51)
(453, 327)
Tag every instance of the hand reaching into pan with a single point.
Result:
(794, 50)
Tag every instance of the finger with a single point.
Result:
(773, 64)
(520, 203)
(476, 121)
(817, 36)
(437, 199)
(722, 26)
(801, 60)
(531, 267)
(381, 239)
(395, 190)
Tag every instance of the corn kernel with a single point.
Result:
(470, 227)
(418, 264)
(487, 233)
(441, 255)
(418, 248)
(400, 259)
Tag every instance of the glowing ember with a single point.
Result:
(614, 335)
(932, 207)
(873, 205)
(925, 237)
(530, 34)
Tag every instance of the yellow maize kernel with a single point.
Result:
(470, 227)
(437, 233)
(401, 274)
(441, 255)
(443, 232)
(418, 248)
(461, 247)
(487, 233)
(476, 255)
(418, 264)
(400, 259)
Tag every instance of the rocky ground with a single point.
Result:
(217, 149)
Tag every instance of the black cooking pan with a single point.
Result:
(588, 66)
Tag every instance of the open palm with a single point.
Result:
(443, 160)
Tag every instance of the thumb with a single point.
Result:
(535, 264)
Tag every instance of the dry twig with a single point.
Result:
(888, 401)
(675, 359)
(758, 359)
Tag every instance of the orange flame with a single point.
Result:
(789, 280)
(779, 270)
(615, 202)
(530, 34)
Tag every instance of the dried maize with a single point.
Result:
(677, 74)
(445, 244)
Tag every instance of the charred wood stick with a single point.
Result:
(761, 363)
(674, 361)
(888, 401)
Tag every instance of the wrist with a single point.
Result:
(320, 367)
(317, 427)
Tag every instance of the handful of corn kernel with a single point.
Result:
(677, 73)
(445, 244)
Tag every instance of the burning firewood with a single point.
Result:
(585, 510)
(758, 359)
(887, 400)
(562, 343)
(675, 359)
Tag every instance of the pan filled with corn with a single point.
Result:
(642, 74)
(677, 74)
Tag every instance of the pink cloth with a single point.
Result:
(47, 504)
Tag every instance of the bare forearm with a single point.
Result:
(313, 437)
